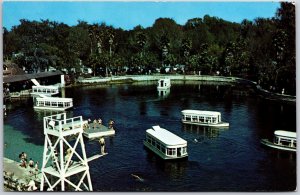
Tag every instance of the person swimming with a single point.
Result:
(137, 177)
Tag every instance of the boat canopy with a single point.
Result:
(165, 136)
(34, 87)
(54, 99)
(200, 113)
(283, 133)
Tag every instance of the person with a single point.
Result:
(25, 156)
(36, 167)
(102, 145)
(55, 159)
(95, 123)
(23, 163)
(31, 163)
(68, 156)
(31, 186)
(100, 121)
(110, 124)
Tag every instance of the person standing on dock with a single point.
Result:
(95, 123)
(110, 124)
(100, 121)
(31, 163)
(36, 168)
(102, 145)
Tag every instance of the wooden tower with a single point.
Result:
(65, 165)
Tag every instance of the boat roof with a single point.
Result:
(45, 86)
(57, 99)
(285, 133)
(200, 112)
(165, 136)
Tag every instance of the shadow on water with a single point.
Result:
(203, 132)
(174, 169)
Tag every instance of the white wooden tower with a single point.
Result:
(65, 165)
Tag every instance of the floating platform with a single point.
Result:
(98, 131)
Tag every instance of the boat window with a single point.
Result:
(201, 119)
(188, 117)
(163, 149)
(171, 151)
(184, 150)
(285, 142)
(153, 142)
(158, 146)
(195, 118)
(47, 103)
(54, 104)
(214, 120)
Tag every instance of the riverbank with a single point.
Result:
(155, 77)
(138, 78)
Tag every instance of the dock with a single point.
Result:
(16, 178)
(99, 131)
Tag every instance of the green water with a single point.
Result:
(15, 141)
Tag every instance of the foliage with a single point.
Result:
(262, 50)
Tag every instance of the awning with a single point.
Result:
(24, 77)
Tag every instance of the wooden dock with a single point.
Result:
(99, 131)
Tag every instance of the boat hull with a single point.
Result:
(222, 124)
(266, 142)
(154, 150)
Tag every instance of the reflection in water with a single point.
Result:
(40, 114)
(163, 93)
(204, 131)
(174, 169)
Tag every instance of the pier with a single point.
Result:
(99, 131)
(17, 178)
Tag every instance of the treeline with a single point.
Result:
(262, 50)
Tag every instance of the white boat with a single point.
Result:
(53, 103)
(283, 140)
(39, 90)
(164, 84)
(165, 144)
(204, 118)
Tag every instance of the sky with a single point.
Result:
(128, 14)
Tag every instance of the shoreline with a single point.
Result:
(138, 78)
(155, 77)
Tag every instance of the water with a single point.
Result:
(229, 159)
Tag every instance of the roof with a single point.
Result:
(45, 87)
(285, 133)
(200, 112)
(58, 99)
(24, 77)
(166, 136)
